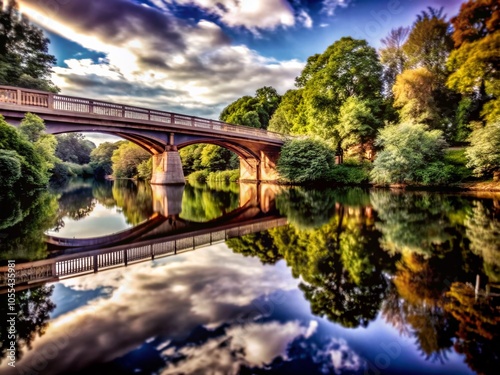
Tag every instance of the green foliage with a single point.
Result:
(429, 42)
(24, 57)
(126, 158)
(474, 72)
(216, 158)
(252, 111)
(305, 160)
(10, 168)
(483, 154)
(34, 171)
(198, 177)
(256, 244)
(32, 127)
(23, 219)
(100, 158)
(288, 114)
(201, 203)
(74, 148)
(347, 68)
(349, 173)
(457, 160)
(145, 170)
(225, 176)
(408, 148)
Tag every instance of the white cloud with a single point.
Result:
(156, 60)
(329, 6)
(251, 14)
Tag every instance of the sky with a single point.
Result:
(197, 56)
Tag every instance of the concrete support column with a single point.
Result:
(167, 168)
(268, 161)
(249, 170)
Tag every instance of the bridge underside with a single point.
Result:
(257, 160)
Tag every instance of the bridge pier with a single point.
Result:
(167, 168)
(263, 170)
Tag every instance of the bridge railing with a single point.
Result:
(63, 103)
(96, 260)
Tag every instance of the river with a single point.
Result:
(341, 281)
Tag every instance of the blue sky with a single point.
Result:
(197, 56)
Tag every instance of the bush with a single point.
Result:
(305, 160)
(226, 176)
(409, 149)
(437, 173)
(198, 176)
(350, 173)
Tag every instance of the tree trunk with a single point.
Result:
(496, 176)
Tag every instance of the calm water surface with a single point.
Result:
(357, 282)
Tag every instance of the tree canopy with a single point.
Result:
(24, 57)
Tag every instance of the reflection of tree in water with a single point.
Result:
(311, 208)
(340, 263)
(33, 307)
(416, 222)
(260, 245)
(478, 330)
(201, 204)
(135, 199)
(483, 231)
(23, 220)
(76, 204)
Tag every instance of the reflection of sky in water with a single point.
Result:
(211, 311)
(101, 221)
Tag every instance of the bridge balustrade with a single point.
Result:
(63, 103)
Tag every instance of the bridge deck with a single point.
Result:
(31, 100)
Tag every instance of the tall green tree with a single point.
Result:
(347, 68)
(288, 114)
(24, 57)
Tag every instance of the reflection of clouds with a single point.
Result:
(338, 357)
(169, 299)
(251, 345)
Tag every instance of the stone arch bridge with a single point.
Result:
(159, 132)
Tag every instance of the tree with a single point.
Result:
(24, 57)
(408, 149)
(305, 160)
(392, 56)
(475, 73)
(414, 95)
(429, 42)
(483, 154)
(476, 20)
(74, 148)
(18, 150)
(100, 158)
(286, 115)
(126, 159)
(252, 111)
(32, 128)
(216, 158)
(347, 68)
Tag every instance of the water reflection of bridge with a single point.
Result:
(256, 214)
